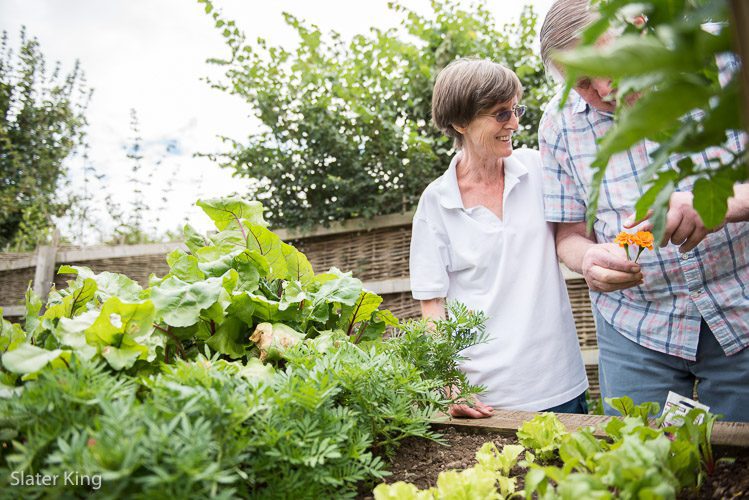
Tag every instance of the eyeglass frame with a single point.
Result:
(506, 114)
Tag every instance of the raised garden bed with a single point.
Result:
(420, 461)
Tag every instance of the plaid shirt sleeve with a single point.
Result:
(562, 199)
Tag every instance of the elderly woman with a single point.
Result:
(480, 237)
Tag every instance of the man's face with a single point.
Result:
(597, 92)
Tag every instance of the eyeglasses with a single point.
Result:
(506, 114)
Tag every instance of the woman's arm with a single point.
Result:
(433, 309)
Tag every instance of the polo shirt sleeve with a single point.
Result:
(562, 199)
(428, 262)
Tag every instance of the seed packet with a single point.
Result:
(677, 406)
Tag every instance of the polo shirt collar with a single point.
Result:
(449, 193)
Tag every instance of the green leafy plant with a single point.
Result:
(487, 479)
(627, 408)
(634, 461)
(347, 124)
(543, 434)
(240, 373)
(697, 427)
(435, 347)
(637, 460)
(672, 62)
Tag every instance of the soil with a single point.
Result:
(420, 461)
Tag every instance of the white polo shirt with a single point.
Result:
(508, 269)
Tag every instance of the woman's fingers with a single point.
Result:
(467, 411)
(483, 408)
(476, 410)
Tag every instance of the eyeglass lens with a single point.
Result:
(505, 115)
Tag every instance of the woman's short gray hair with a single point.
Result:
(465, 88)
(561, 29)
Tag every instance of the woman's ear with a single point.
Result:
(461, 129)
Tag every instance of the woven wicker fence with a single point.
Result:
(376, 251)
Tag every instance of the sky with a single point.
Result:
(150, 56)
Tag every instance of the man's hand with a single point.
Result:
(606, 268)
(684, 226)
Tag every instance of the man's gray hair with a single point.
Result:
(467, 87)
(561, 30)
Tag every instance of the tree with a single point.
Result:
(42, 120)
(669, 52)
(347, 125)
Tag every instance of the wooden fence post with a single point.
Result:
(44, 275)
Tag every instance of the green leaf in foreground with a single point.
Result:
(711, 199)
(27, 358)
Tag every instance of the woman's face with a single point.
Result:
(488, 137)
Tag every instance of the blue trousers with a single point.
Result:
(625, 368)
(576, 405)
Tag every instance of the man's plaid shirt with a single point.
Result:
(710, 282)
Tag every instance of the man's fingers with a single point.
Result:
(685, 230)
(631, 222)
(673, 221)
(603, 275)
(607, 260)
(694, 239)
(602, 286)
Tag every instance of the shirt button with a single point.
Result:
(685, 256)
(697, 293)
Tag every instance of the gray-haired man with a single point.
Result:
(682, 314)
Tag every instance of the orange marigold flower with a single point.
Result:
(644, 239)
(623, 239)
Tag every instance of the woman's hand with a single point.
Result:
(479, 410)
(476, 410)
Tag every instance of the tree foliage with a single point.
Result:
(42, 117)
(671, 52)
(346, 124)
